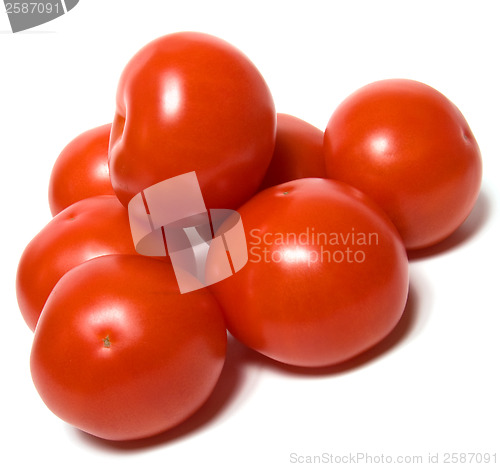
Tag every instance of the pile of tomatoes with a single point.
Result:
(329, 218)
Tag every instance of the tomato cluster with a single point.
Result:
(329, 218)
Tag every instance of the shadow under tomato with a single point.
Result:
(477, 219)
(233, 382)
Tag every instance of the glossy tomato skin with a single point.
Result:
(305, 298)
(298, 152)
(192, 102)
(121, 354)
(91, 227)
(409, 148)
(81, 170)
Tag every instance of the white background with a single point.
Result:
(431, 387)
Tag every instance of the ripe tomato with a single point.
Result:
(88, 228)
(298, 152)
(327, 275)
(81, 170)
(121, 354)
(192, 102)
(409, 148)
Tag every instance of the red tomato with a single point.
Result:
(298, 152)
(121, 354)
(91, 227)
(192, 102)
(409, 148)
(327, 275)
(81, 170)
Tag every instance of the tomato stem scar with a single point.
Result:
(106, 342)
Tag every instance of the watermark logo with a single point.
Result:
(311, 246)
(27, 15)
(170, 218)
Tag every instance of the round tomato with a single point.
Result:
(327, 275)
(298, 152)
(81, 170)
(121, 354)
(192, 102)
(410, 149)
(88, 228)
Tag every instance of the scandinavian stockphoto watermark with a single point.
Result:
(27, 15)
(170, 219)
(207, 246)
(310, 246)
